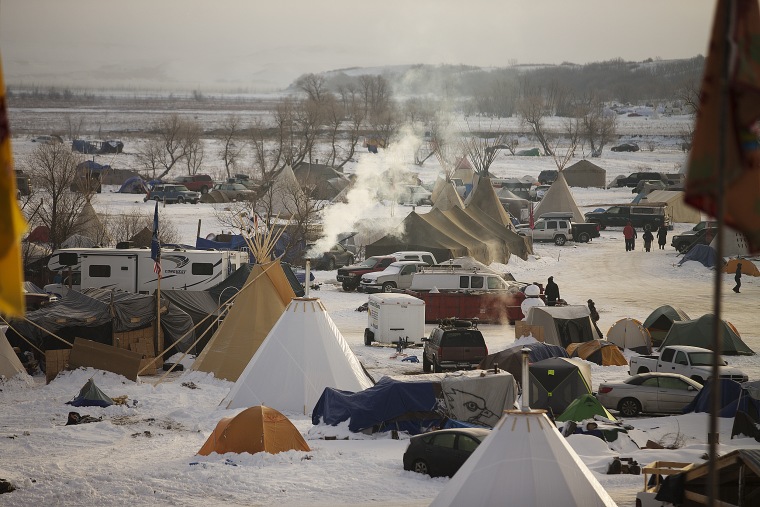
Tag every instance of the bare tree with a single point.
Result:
(194, 150)
(231, 151)
(150, 154)
(54, 169)
(343, 129)
(174, 136)
(533, 109)
(689, 95)
(124, 226)
(597, 127)
(564, 145)
(385, 123)
(74, 125)
(481, 149)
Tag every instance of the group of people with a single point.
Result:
(533, 296)
(630, 235)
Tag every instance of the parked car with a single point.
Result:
(396, 276)
(649, 393)
(336, 257)
(197, 182)
(442, 452)
(350, 276)
(171, 193)
(234, 191)
(537, 193)
(633, 179)
(626, 147)
(454, 344)
(701, 234)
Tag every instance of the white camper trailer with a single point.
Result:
(394, 316)
(132, 269)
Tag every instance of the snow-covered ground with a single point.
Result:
(143, 454)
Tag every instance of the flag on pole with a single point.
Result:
(155, 245)
(732, 122)
(12, 223)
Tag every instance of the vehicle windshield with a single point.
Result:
(392, 270)
(702, 359)
(370, 263)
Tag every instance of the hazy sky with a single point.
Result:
(265, 44)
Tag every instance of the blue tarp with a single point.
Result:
(237, 242)
(388, 405)
(730, 391)
(701, 253)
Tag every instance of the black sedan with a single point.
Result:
(442, 452)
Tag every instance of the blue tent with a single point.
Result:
(133, 185)
(388, 405)
(730, 392)
(701, 253)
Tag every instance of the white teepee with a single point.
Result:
(524, 461)
(559, 198)
(10, 365)
(303, 353)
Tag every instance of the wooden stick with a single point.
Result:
(22, 336)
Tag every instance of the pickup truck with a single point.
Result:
(633, 179)
(692, 362)
(560, 230)
(648, 218)
(396, 276)
(702, 234)
(350, 276)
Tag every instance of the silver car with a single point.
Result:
(649, 393)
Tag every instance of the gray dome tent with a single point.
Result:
(698, 333)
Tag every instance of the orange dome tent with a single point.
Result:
(253, 430)
(749, 268)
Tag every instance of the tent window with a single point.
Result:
(464, 282)
(203, 268)
(466, 443)
(477, 282)
(100, 271)
(445, 440)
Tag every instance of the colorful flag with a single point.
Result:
(728, 115)
(12, 223)
(155, 245)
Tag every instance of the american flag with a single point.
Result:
(155, 246)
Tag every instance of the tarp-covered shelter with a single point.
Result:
(302, 355)
(10, 364)
(585, 174)
(703, 254)
(584, 407)
(630, 334)
(556, 382)
(479, 396)
(563, 325)
(524, 461)
(510, 359)
(256, 310)
(91, 396)
(600, 352)
(559, 198)
(660, 320)
(388, 405)
(675, 206)
(698, 333)
(324, 182)
(255, 429)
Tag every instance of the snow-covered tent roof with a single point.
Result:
(257, 307)
(559, 198)
(303, 354)
(524, 461)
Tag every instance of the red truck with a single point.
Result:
(350, 276)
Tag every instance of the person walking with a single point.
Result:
(662, 236)
(629, 233)
(551, 292)
(738, 277)
(648, 237)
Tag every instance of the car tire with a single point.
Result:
(348, 287)
(204, 190)
(437, 367)
(426, 366)
(583, 237)
(180, 200)
(421, 467)
(369, 337)
(698, 379)
(388, 287)
(629, 407)
(560, 240)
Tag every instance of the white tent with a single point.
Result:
(734, 243)
(563, 325)
(524, 461)
(675, 206)
(10, 365)
(630, 334)
(559, 198)
(303, 353)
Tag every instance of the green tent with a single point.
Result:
(659, 321)
(698, 333)
(584, 407)
(91, 396)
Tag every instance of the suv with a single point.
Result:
(336, 257)
(197, 182)
(396, 276)
(170, 193)
(456, 344)
(648, 218)
(633, 179)
(350, 276)
(701, 234)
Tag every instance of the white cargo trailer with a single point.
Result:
(394, 316)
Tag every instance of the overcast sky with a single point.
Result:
(265, 44)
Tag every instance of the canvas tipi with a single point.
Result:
(524, 461)
(303, 353)
(559, 199)
(10, 364)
